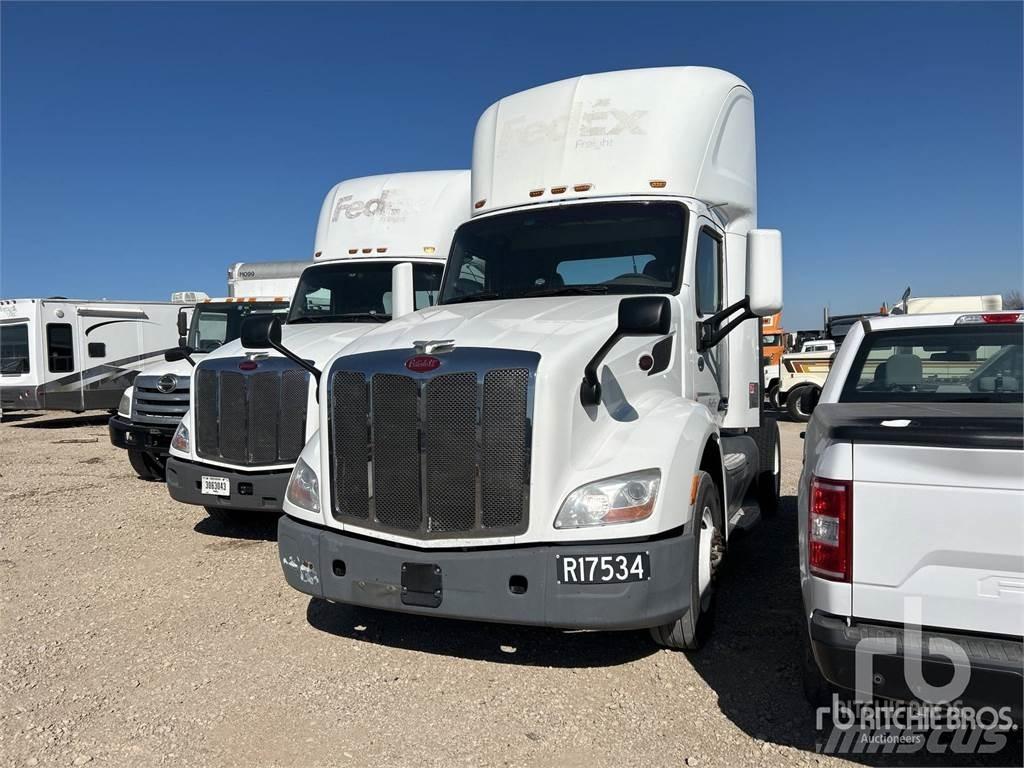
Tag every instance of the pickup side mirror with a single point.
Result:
(764, 271)
(638, 316)
(263, 331)
(182, 324)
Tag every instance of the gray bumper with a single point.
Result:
(476, 584)
(256, 491)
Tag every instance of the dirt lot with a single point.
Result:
(136, 631)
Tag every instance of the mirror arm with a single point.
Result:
(314, 371)
(711, 331)
(590, 389)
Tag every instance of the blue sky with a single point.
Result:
(145, 147)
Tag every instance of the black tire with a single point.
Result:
(141, 464)
(794, 403)
(773, 396)
(769, 472)
(691, 630)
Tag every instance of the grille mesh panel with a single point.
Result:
(504, 443)
(207, 398)
(450, 438)
(349, 446)
(396, 456)
(291, 437)
(264, 402)
(232, 416)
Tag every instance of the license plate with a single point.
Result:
(604, 569)
(216, 486)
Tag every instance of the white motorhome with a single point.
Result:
(380, 248)
(149, 411)
(574, 434)
(76, 354)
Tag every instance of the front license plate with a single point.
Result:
(216, 486)
(604, 569)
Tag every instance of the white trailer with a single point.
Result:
(380, 248)
(264, 278)
(77, 354)
(572, 437)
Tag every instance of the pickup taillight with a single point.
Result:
(829, 529)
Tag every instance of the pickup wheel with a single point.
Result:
(769, 475)
(691, 630)
(146, 466)
(794, 403)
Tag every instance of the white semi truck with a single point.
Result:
(78, 354)
(380, 249)
(150, 409)
(574, 434)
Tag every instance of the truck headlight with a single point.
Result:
(304, 488)
(180, 441)
(620, 499)
(124, 408)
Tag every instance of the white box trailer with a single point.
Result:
(150, 409)
(379, 252)
(77, 354)
(573, 435)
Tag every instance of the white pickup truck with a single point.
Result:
(911, 513)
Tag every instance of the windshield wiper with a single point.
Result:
(340, 318)
(483, 296)
(568, 290)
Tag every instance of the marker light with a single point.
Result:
(382, 250)
(659, 184)
(557, 190)
(581, 187)
(620, 499)
(429, 249)
(367, 250)
(996, 318)
(536, 192)
(353, 250)
(479, 203)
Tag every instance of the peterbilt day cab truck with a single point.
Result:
(380, 248)
(572, 436)
(911, 512)
(151, 408)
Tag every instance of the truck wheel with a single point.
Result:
(769, 474)
(140, 462)
(794, 403)
(773, 396)
(692, 629)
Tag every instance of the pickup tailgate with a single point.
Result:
(940, 522)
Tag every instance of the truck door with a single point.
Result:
(710, 377)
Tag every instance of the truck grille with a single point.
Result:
(435, 455)
(250, 418)
(150, 405)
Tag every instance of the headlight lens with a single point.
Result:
(180, 441)
(621, 499)
(125, 406)
(304, 488)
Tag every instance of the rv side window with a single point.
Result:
(708, 273)
(14, 349)
(60, 349)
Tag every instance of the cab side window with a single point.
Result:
(708, 273)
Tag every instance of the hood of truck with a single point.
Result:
(181, 368)
(311, 341)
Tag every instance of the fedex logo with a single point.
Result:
(353, 209)
(594, 124)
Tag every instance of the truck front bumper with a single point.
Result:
(516, 585)
(253, 491)
(149, 438)
(996, 663)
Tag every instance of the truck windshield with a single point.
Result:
(969, 363)
(14, 349)
(353, 292)
(609, 248)
(216, 324)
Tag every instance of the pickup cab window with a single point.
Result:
(969, 363)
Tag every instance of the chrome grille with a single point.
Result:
(151, 406)
(250, 418)
(433, 455)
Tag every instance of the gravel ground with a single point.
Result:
(136, 631)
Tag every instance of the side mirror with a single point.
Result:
(764, 271)
(638, 316)
(182, 324)
(174, 355)
(402, 292)
(809, 400)
(261, 332)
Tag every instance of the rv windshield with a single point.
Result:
(963, 364)
(355, 291)
(216, 324)
(601, 248)
(14, 349)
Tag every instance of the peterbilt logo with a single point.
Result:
(422, 363)
(167, 383)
